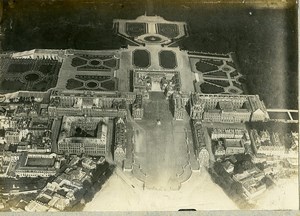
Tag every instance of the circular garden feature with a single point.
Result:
(226, 68)
(92, 84)
(233, 91)
(31, 77)
(95, 62)
(167, 59)
(152, 38)
(141, 58)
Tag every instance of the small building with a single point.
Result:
(199, 133)
(179, 106)
(120, 141)
(241, 176)
(5, 163)
(137, 107)
(204, 158)
(88, 163)
(251, 192)
(295, 140)
(220, 148)
(12, 137)
(228, 166)
(275, 139)
(272, 150)
(268, 170)
(119, 154)
(271, 145)
(35, 206)
(59, 202)
(265, 136)
(229, 133)
(259, 176)
(255, 140)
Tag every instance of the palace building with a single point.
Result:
(227, 108)
(137, 108)
(120, 141)
(77, 103)
(179, 105)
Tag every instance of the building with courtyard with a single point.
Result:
(227, 108)
(35, 165)
(83, 135)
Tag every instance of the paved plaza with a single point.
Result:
(161, 151)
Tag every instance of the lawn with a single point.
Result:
(210, 89)
(135, 29)
(167, 59)
(141, 58)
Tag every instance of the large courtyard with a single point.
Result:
(161, 152)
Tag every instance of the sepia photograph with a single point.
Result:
(148, 106)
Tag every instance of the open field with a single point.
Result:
(198, 193)
(285, 195)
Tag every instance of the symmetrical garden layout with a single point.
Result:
(161, 154)
(110, 70)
